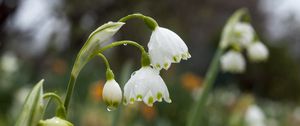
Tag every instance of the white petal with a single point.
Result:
(146, 84)
(112, 93)
(233, 62)
(244, 34)
(257, 52)
(149, 99)
(166, 47)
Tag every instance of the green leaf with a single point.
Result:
(93, 44)
(33, 107)
(227, 30)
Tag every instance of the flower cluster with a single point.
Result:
(242, 36)
(164, 48)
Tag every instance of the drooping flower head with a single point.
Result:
(112, 94)
(233, 62)
(243, 34)
(257, 52)
(166, 47)
(146, 85)
(254, 116)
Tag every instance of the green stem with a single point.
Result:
(70, 90)
(197, 111)
(61, 111)
(105, 60)
(123, 42)
(145, 57)
(150, 22)
(109, 73)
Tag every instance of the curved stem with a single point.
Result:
(55, 96)
(145, 57)
(150, 22)
(61, 111)
(104, 59)
(123, 42)
(109, 73)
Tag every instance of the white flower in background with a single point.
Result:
(112, 94)
(55, 121)
(254, 116)
(257, 52)
(233, 62)
(243, 34)
(166, 47)
(9, 63)
(146, 85)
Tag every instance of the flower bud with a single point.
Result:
(112, 94)
(257, 52)
(55, 121)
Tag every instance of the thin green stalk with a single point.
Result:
(105, 60)
(61, 111)
(123, 42)
(70, 90)
(197, 111)
(55, 96)
(109, 73)
(145, 57)
(150, 22)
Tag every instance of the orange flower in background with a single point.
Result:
(148, 113)
(96, 90)
(191, 81)
(59, 66)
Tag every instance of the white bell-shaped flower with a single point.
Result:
(257, 52)
(233, 62)
(146, 85)
(255, 116)
(243, 34)
(166, 47)
(112, 94)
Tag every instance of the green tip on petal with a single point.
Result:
(150, 101)
(131, 100)
(139, 97)
(159, 96)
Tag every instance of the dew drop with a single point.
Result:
(125, 44)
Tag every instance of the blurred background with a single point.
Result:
(41, 38)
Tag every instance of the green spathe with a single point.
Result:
(96, 38)
(33, 108)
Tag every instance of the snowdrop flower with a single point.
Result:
(112, 94)
(146, 85)
(257, 52)
(55, 121)
(9, 63)
(243, 34)
(255, 116)
(166, 47)
(233, 62)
